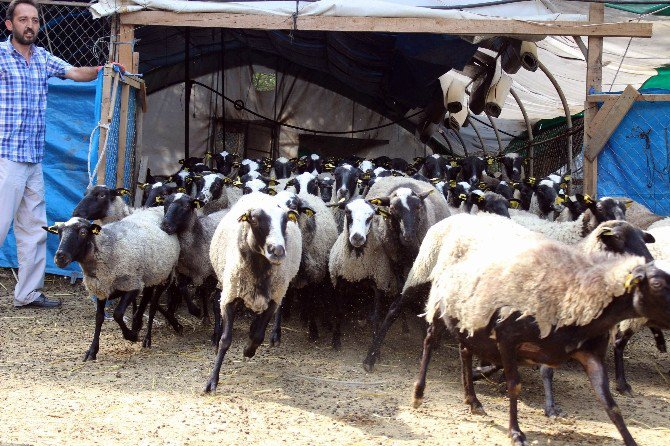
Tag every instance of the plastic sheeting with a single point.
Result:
(70, 119)
(635, 162)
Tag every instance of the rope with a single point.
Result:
(90, 150)
(239, 105)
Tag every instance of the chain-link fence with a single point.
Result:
(550, 145)
(68, 31)
(636, 160)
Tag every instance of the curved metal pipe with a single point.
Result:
(479, 135)
(460, 139)
(568, 118)
(495, 130)
(529, 129)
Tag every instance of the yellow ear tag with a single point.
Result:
(383, 213)
(588, 199)
(95, 229)
(123, 192)
(272, 192)
(181, 161)
(567, 177)
(607, 231)
(244, 217)
(159, 200)
(564, 185)
(309, 212)
(197, 204)
(462, 197)
(207, 155)
(236, 165)
(631, 282)
(376, 201)
(514, 204)
(628, 203)
(482, 185)
(559, 200)
(359, 181)
(342, 200)
(293, 216)
(489, 161)
(454, 163)
(452, 183)
(181, 189)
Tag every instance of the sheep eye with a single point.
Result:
(83, 232)
(657, 284)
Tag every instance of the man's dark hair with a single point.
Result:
(10, 9)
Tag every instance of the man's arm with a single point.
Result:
(82, 74)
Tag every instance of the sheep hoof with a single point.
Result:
(553, 412)
(211, 386)
(275, 341)
(477, 409)
(179, 328)
(337, 344)
(368, 365)
(132, 336)
(250, 351)
(90, 354)
(518, 438)
(416, 402)
(624, 389)
(146, 343)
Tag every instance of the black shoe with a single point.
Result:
(42, 302)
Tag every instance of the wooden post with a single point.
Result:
(594, 80)
(125, 52)
(104, 121)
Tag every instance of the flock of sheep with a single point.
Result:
(515, 268)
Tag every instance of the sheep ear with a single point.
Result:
(293, 216)
(434, 181)
(272, 192)
(605, 231)
(244, 217)
(382, 212)
(273, 183)
(382, 201)
(181, 161)
(95, 229)
(121, 192)
(628, 203)
(307, 211)
(424, 194)
(647, 237)
(198, 204)
(633, 279)
(52, 229)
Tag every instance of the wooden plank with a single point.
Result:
(456, 27)
(123, 134)
(609, 123)
(141, 178)
(606, 98)
(104, 121)
(594, 82)
(598, 117)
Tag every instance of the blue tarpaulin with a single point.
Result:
(635, 162)
(70, 119)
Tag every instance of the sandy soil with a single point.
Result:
(299, 393)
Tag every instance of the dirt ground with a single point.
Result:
(299, 393)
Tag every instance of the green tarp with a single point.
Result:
(661, 80)
(641, 9)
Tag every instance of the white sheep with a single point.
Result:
(319, 232)
(255, 253)
(120, 259)
(501, 296)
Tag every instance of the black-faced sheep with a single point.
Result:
(255, 253)
(501, 297)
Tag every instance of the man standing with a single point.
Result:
(24, 71)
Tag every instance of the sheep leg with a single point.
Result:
(139, 313)
(659, 338)
(224, 344)
(216, 309)
(99, 319)
(257, 329)
(433, 335)
(550, 408)
(275, 337)
(202, 294)
(309, 302)
(373, 352)
(510, 367)
(468, 383)
(595, 369)
(338, 311)
(153, 305)
(376, 309)
(120, 310)
(326, 303)
(620, 343)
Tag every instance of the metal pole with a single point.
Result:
(495, 130)
(529, 129)
(187, 92)
(568, 118)
(471, 123)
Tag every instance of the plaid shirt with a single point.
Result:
(23, 101)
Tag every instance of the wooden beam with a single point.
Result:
(104, 122)
(601, 97)
(123, 135)
(594, 81)
(607, 125)
(456, 27)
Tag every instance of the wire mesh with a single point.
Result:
(550, 146)
(112, 151)
(635, 162)
(129, 164)
(70, 32)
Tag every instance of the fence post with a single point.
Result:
(594, 80)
